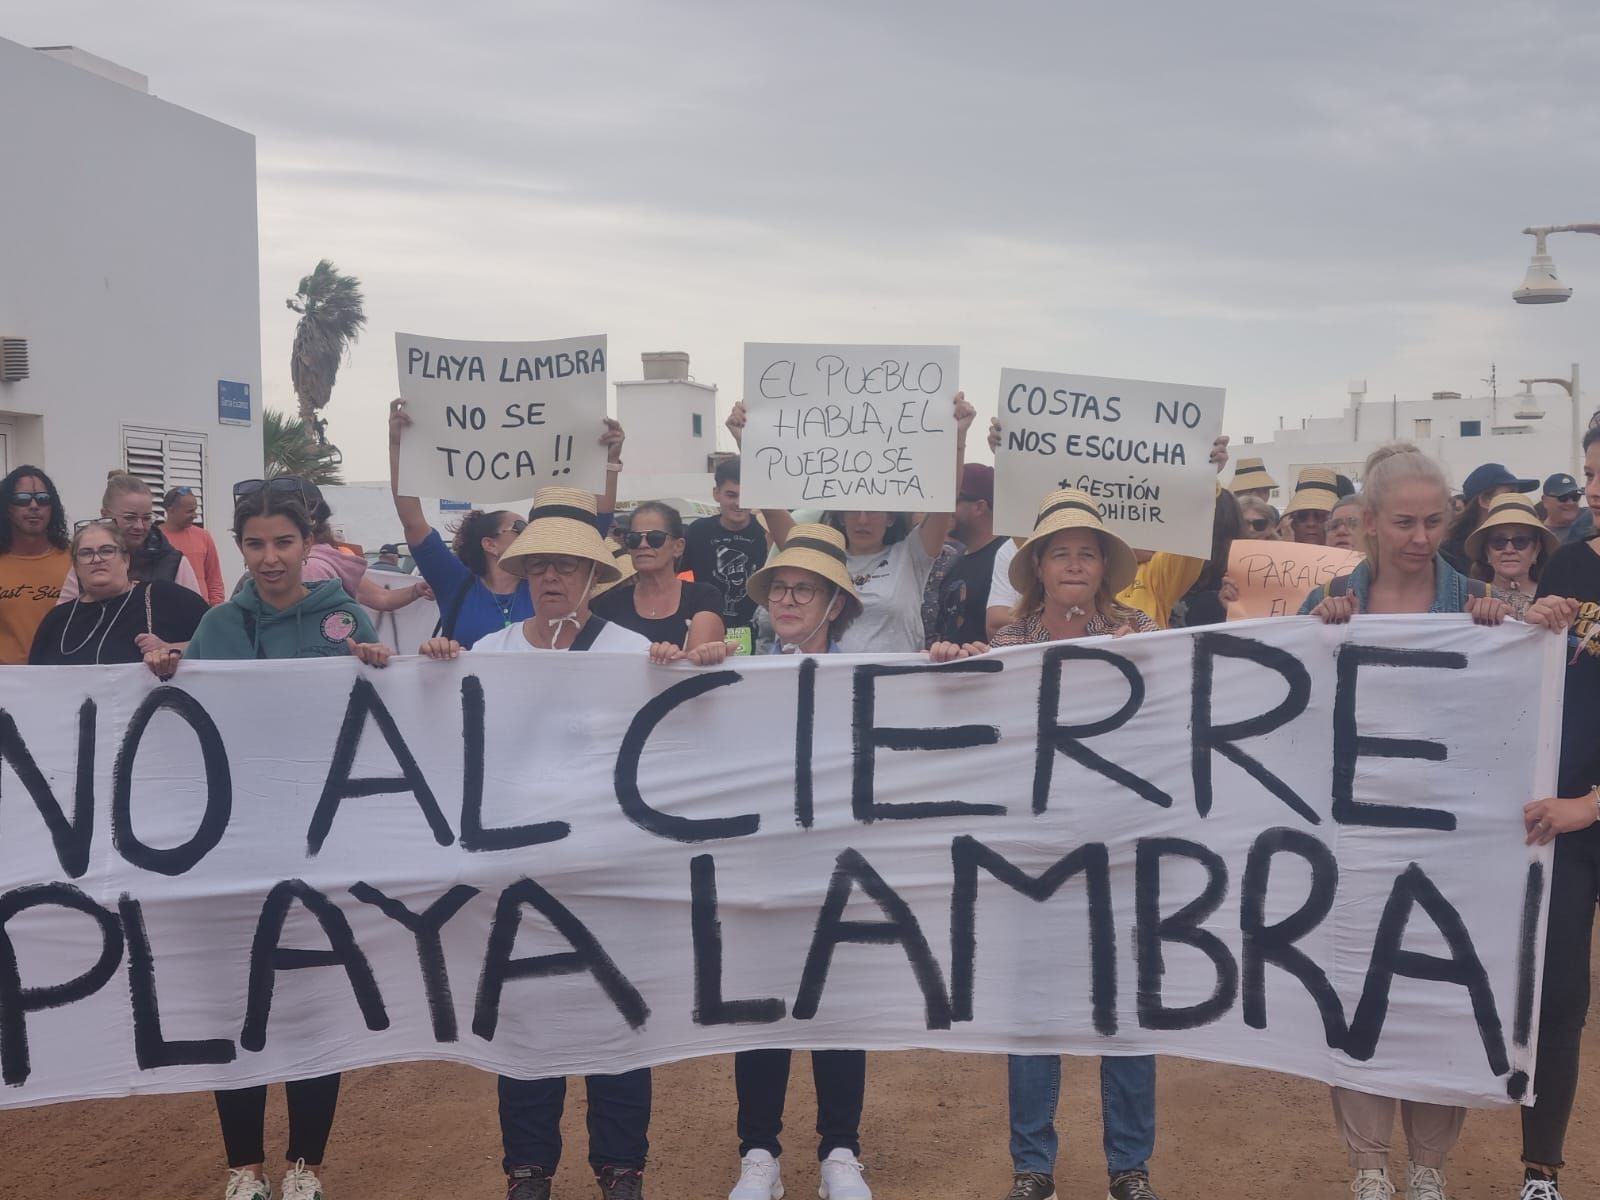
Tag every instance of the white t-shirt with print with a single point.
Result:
(890, 584)
(612, 639)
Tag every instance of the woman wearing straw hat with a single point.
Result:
(1509, 550)
(562, 556)
(807, 590)
(1405, 510)
(1315, 493)
(1250, 478)
(890, 557)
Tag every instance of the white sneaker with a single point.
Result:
(299, 1183)
(759, 1178)
(841, 1178)
(1424, 1183)
(246, 1185)
(1372, 1185)
(1539, 1188)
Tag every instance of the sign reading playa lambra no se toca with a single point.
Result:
(855, 427)
(1142, 450)
(496, 421)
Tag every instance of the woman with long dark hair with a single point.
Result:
(33, 558)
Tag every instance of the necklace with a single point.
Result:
(504, 605)
(651, 614)
(98, 650)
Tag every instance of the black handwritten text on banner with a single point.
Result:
(1140, 449)
(492, 422)
(854, 427)
(1286, 845)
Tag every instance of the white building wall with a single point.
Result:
(671, 425)
(130, 264)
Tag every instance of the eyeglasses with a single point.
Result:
(563, 564)
(278, 485)
(800, 593)
(654, 538)
(23, 499)
(1516, 541)
(89, 554)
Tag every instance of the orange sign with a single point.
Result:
(1274, 578)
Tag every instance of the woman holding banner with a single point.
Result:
(656, 603)
(275, 614)
(890, 557)
(476, 597)
(1510, 549)
(1069, 576)
(1572, 820)
(1405, 514)
(562, 557)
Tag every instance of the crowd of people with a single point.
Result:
(569, 576)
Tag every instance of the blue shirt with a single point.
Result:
(482, 612)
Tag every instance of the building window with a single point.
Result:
(1472, 429)
(166, 459)
(697, 426)
(1424, 427)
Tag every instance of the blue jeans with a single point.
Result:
(619, 1120)
(1127, 1106)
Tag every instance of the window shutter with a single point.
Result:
(166, 459)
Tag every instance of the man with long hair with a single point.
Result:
(33, 558)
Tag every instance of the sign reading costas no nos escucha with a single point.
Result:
(850, 427)
(1140, 449)
(496, 421)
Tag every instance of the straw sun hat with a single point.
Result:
(1317, 490)
(1072, 509)
(1251, 473)
(819, 549)
(562, 522)
(1513, 508)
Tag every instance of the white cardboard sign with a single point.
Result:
(850, 427)
(496, 421)
(1140, 449)
(1286, 845)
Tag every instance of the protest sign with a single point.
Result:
(853, 427)
(1286, 845)
(1274, 578)
(496, 421)
(1140, 449)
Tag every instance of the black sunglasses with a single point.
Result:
(1517, 541)
(23, 499)
(279, 485)
(654, 538)
(1259, 524)
(1569, 497)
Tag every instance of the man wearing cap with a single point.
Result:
(1250, 478)
(1478, 493)
(964, 596)
(1316, 491)
(1564, 512)
(389, 559)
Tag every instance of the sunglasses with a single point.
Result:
(23, 499)
(1569, 497)
(654, 538)
(1259, 524)
(278, 485)
(1516, 541)
(516, 526)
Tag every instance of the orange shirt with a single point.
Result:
(29, 586)
(196, 546)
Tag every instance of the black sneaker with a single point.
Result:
(1131, 1185)
(620, 1183)
(1030, 1185)
(528, 1183)
(1536, 1185)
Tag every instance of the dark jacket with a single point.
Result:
(156, 559)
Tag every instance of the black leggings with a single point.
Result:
(311, 1107)
(1574, 893)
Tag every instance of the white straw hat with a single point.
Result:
(562, 522)
(1072, 509)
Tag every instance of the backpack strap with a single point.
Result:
(446, 625)
(588, 634)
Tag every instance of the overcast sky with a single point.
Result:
(1271, 198)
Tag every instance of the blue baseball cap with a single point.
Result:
(1561, 484)
(1493, 475)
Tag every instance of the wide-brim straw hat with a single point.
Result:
(819, 549)
(624, 562)
(1514, 508)
(562, 522)
(1251, 473)
(1316, 490)
(1072, 509)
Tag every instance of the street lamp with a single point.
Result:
(1573, 398)
(1541, 285)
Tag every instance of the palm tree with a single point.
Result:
(288, 450)
(331, 318)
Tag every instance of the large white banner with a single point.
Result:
(850, 427)
(1281, 844)
(1140, 449)
(497, 421)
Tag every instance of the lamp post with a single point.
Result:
(1571, 385)
(1541, 285)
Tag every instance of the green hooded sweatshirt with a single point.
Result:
(314, 627)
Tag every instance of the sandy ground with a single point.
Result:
(935, 1127)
